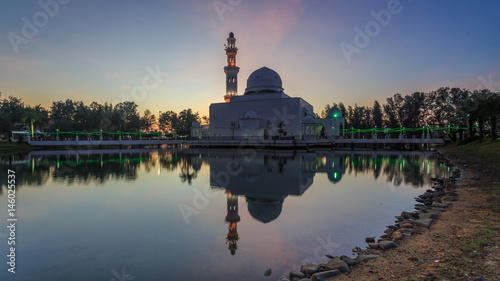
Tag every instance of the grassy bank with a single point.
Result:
(484, 157)
(483, 160)
(9, 148)
(485, 152)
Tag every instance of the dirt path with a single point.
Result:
(462, 244)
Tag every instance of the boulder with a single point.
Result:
(297, 274)
(397, 236)
(324, 275)
(364, 257)
(310, 268)
(406, 225)
(387, 245)
(428, 215)
(370, 239)
(389, 231)
(337, 263)
(349, 261)
(426, 222)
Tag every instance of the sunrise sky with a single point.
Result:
(101, 50)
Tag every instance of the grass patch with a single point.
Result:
(10, 148)
(477, 152)
(480, 242)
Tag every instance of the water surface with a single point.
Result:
(200, 214)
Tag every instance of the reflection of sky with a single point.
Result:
(82, 232)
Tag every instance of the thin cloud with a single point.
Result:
(112, 76)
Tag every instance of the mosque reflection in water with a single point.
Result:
(264, 179)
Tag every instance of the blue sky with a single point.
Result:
(102, 50)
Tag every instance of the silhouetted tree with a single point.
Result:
(377, 115)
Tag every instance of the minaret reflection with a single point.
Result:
(232, 218)
(266, 180)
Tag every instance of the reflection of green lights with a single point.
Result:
(335, 175)
(100, 160)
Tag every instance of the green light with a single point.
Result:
(335, 175)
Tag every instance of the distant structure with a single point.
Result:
(264, 111)
(231, 69)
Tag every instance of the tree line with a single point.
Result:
(445, 107)
(72, 115)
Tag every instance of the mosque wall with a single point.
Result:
(230, 120)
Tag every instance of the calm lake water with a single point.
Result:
(200, 214)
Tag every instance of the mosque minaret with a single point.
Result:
(231, 69)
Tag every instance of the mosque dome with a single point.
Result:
(263, 80)
(308, 120)
(334, 112)
(264, 210)
(195, 124)
(334, 177)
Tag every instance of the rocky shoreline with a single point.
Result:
(427, 209)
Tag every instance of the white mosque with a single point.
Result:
(264, 111)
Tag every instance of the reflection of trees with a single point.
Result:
(169, 162)
(412, 169)
(188, 173)
(86, 169)
(25, 175)
(97, 169)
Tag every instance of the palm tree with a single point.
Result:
(281, 128)
(33, 115)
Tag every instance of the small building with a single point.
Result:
(332, 126)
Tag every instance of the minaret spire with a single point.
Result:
(231, 69)
(232, 218)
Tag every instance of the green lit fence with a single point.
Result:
(351, 131)
(402, 130)
(108, 134)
